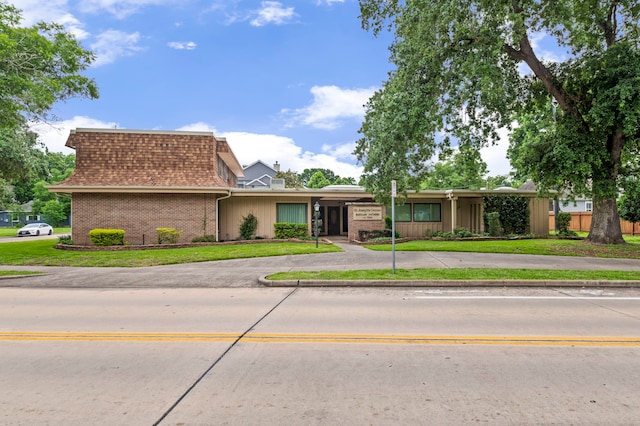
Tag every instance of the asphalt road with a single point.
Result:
(273, 356)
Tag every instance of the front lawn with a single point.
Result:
(542, 246)
(42, 252)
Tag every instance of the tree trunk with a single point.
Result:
(605, 223)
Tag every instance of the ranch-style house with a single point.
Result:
(141, 180)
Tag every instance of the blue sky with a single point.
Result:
(283, 81)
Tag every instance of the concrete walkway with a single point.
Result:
(248, 272)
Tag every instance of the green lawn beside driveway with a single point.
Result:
(43, 252)
(541, 246)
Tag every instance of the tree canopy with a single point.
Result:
(463, 169)
(319, 178)
(21, 154)
(291, 179)
(465, 69)
(39, 65)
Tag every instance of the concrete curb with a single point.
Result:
(263, 280)
(13, 277)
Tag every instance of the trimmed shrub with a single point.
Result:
(204, 239)
(513, 210)
(107, 237)
(248, 227)
(495, 227)
(388, 222)
(458, 232)
(65, 240)
(285, 230)
(364, 235)
(168, 235)
(564, 220)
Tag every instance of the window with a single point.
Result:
(588, 206)
(403, 213)
(291, 213)
(426, 212)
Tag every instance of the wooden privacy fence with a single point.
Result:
(581, 222)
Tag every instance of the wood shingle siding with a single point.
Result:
(147, 159)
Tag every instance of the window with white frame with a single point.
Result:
(291, 212)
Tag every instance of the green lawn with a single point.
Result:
(543, 246)
(423, 274)
(42, 252)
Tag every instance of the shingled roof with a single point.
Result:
(146, 159)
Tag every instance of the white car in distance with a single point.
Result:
(35, 229)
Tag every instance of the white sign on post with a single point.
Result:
(393, 226)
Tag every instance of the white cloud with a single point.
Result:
(37, 10)
(251, 147)
(113, 44)
(55, 135)
(179, 45)
(109, 45)
(340, 151)
(272, 12)
(331, 106)
(34, 11)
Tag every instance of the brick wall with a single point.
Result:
(140, 214)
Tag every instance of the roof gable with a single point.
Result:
(114, 157)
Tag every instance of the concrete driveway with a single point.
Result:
(246, 272)
(40, 237)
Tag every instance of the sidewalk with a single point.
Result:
(251, 272)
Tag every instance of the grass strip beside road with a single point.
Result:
(429, 274)
(43, 253)
(542, 246)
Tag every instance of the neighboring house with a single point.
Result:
(10, 218)
(564, 203)
(260, 175)
(578, 205)
(142, 180)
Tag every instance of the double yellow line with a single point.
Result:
(325, 338)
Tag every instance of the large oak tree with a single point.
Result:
(467, 68)
(39, 65)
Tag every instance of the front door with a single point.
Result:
(333, 220)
